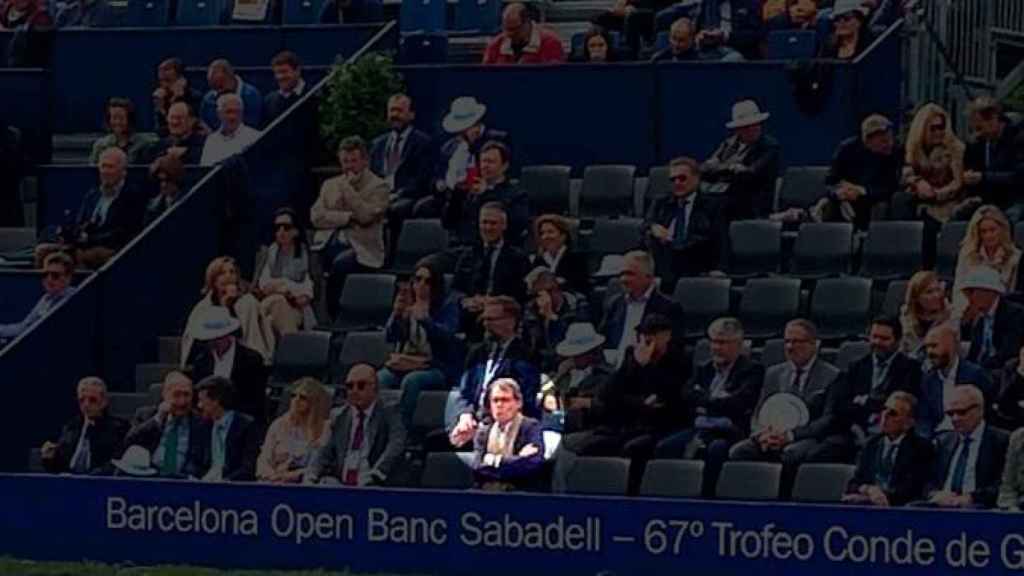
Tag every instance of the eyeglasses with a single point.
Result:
(960, 412)
(679, 178)
(283, 226)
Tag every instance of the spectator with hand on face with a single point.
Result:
(684, 46)
(284, 282)
(91, 439)
(549, 315)
(170, 430)
(172, 86)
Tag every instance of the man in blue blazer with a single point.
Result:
(945, 369)
(229, 440)
(508, 454)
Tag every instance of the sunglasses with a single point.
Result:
(960, 412)
(283, 226)
(679, 178)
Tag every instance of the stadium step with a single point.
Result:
(73, 148)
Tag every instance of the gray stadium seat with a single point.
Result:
(821, 250)
(613, 237)
(548, 188)
(773, 352)
(802, 186)
(419, 238)
(430, 410)
(146, 374)
(369, 347)
(749, 481)
(301, 354)
(895, 293)
(948, 248)
(124, 404)
(366, 302)
(606, 476)
(607, 191)
(755, 248)
(13, 239)
(850, 352)
(767, 304)
(892, 250)
(672, 478)
(447, 471)
(703, 300)
(840, 307)
(658, 184)
(821, 482)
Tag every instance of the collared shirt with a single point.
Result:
(223, 365)
(552, 261)
(717, 389)
(300, 87)
(398, 139)
(99, 214)
(220, 146)
(800, 387)
(634, 314)
(491, 367)
(83, 446)
(970, 473)
(182, 430)
(532, 46)
(218, 442)
(360, 459)
(495, 253)
(948, 384)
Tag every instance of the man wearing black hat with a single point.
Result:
(645, 400)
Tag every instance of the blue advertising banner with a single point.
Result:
(456, 533)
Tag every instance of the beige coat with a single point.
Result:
(357, 209)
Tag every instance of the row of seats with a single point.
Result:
(161, 13)
(757, 481)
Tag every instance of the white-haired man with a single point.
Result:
(233, 136)
(89, 441)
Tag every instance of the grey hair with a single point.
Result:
(224, 99)
(93, 381)
(643, 259)
(508, 385)
(727, 327)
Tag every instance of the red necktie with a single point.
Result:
(352, 474)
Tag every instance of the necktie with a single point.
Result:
(878, 378)
(680, 231)
(960, 468)
(886, 465)
(80, 462)
(394, 153)
(352, 474)
(797, 384)
(489, 262)
(170, 463)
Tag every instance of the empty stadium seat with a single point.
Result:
(299, 12)
(702, 300)
(672, 478)
(822, 482)
(149, 13)
(948, 248)
(613, 237)
(892, 250)
(423, 48)
(701, 352)
(767, 304)
(821, 250)
(369, 347)
(658, 184)
(755, 248)
(749, 481)
(430, 411)
(607, 191)
(481, 16)
(423, 15)
(548, 188)
(419, 238)
(895, 293)
(850, 352)
(802, 187)
(840, 307)
(301, 354)
(200, 13)
(146, 374)
(12, 239)
(448, 471)
(591, 475)
(366, 301)
(773, 352)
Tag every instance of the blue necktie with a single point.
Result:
(960, 468)
(886, 465)
(680, 232)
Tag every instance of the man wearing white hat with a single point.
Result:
(582, 377)
(744, 167)
(224, 356)
(457, 163)
(994, 325)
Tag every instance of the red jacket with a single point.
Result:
(544, 47)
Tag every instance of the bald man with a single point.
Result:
(367, 437)
(522, 41)
(944, 371)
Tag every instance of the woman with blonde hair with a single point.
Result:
(925, 305)
(225, 288)
(296, 436)
(988, 242)
(933, 173)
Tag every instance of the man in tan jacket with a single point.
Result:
(349, 218)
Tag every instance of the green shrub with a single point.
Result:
(356, 99)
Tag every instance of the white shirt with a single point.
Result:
(718, 382)
(800, 386)
(99, 214)
(634, 314)
(970, 475)
(220, 146)
(552, 261)
(360, 459)
(300, 87)
(223, 365)
(688, 208)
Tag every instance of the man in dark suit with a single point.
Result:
(502, 355)
(723, 392)
(810, 379)
(639, 298)
(462, 211)
(508, 454)
(183, 140)
(859, 393)
(944, 371)
(109, 216)
(745, 165)
(894, 465)
(402, 156)
(223, 355)
(91, 439)
(170, 431)
(970, 457)
(993, 324)
(229, 441)
(993, 163)
(367, 440)
(491, 268)
(684, 231)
